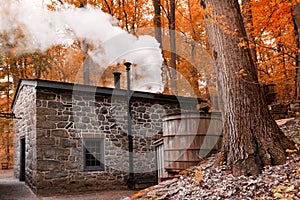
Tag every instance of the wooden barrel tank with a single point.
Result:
(189, 137)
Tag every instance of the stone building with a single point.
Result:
(73, 138)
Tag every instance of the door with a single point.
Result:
(22, 159)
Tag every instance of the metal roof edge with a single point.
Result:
(21, 83)
(47, 84)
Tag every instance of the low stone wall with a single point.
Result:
(281, 111)
(295, 109)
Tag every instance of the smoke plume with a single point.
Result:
(41, 29)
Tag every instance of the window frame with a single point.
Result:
(97, 141)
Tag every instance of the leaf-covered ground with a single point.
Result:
(208, 182)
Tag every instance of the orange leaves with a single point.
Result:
(198, 176)
(242, 73)
(51, 7)
(189, 19)
(82, 3)
(139, 194)
(133, 15)
(273, 37)
(269, 16)
(271, 29)
(289, 151)
(65, 63)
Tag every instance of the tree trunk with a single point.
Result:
(173, 45)
(84, 50)
(296, 19)
(125, 16)
(86, 63)
(248, 21)
(157, 21)
(252, 138)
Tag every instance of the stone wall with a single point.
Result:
(66, 116)
(26, 127)
(295, 109)
(281, 111)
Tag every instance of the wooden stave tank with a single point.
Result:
(181, 150)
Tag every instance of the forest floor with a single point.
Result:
(200, 182)
(208, 182)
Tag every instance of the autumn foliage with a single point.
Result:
(270, 25)
(273, 36)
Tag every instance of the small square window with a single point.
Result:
(93, 154)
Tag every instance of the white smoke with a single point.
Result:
(43, 29)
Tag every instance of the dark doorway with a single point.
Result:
(22, 159)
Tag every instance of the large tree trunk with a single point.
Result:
(252, 138)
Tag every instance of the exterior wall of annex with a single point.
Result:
(57, 121)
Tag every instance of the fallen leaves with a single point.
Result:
(208, 182)
(283, 192)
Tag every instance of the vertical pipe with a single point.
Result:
(129, 125)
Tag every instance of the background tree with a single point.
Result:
(252, 138)
(64, 63)
(6, 92)
(270, 30)
(193, 65)
(190, 37)
(172, 27)
(296, 21)
(157, 21)
(248, 23)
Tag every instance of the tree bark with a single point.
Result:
(84, 50)
(251, 137)
(157, 21)
(248, 21)
(296, 20)
(125, 16)
(86, 63)
(173, 45)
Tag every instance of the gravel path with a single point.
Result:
(13, 189)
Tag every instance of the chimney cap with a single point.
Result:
(127, 64)
(117, 73)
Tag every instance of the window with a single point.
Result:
(93, 154)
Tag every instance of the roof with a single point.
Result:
(64, 86)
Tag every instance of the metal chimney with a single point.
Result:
(117, 79)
